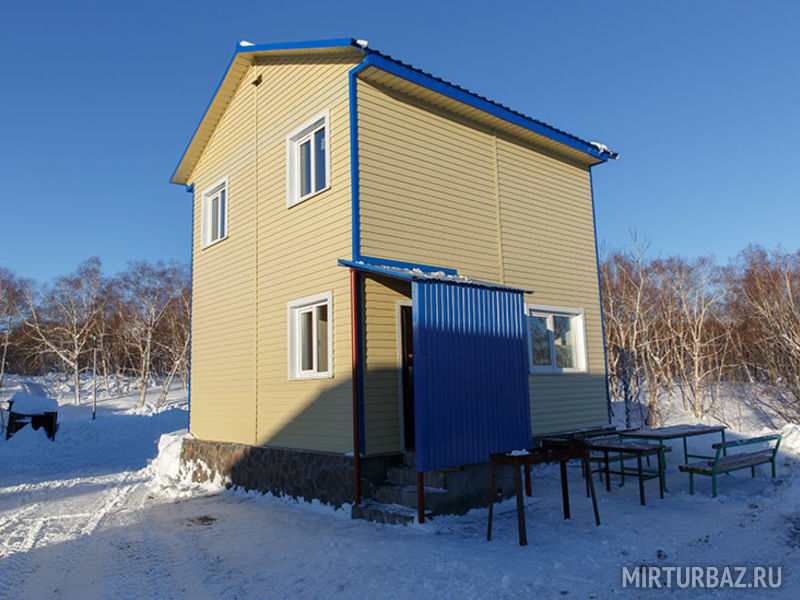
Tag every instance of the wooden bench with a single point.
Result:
(742, 460)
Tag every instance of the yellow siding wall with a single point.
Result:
(426, 185)
(382, 377)
(548, 247)
(223, 311)
(438, 189)
(273, 255)
(298, 250)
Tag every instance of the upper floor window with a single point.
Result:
(215, 213)
(308, 160)
(556, 339)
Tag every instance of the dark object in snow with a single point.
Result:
(204, 520)
(39, 412)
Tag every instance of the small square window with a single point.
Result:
(308, 160)
(215, 213)
(310, 338)
(556, 340)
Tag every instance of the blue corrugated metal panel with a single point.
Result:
(470, 373)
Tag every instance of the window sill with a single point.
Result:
(308, 197)
(326, 375)
(555, 371)
(214, 243)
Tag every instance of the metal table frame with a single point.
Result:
(574, 449)
(631, 448)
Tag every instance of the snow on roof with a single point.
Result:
(26, 404)
(603, 149)
(418, 274)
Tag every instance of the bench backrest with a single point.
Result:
(764, 439)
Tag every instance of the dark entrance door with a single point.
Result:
(407, 354)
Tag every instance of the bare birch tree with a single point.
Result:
(175, 335)
(698, 340)
(626, 310)
(147, 292)
(766, 307)
(11, 302)
(62, 321)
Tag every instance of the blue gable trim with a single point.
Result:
(310, 44)
(304, 45)
(205, 112)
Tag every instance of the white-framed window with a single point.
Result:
(215, 213)
(556, 339)
(310, 342)
(308, 160)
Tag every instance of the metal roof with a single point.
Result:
(246, 52)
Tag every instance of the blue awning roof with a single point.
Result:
(418, 274)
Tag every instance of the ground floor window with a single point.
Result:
(310, 340)
(556, 339)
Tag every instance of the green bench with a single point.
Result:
(724, 463)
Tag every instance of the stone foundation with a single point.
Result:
(329, 477)
(326, 477)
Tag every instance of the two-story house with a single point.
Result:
(383, 262)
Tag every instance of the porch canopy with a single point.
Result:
(470, 367)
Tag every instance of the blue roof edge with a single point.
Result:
(305, 45)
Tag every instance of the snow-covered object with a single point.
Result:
(518, 453)
(417, 273)
(26, 404)
(603, 149)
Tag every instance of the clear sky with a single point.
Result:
(702, 100)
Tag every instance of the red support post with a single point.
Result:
(355, 349)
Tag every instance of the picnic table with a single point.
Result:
(673, 432)
(556, 450)
(629, 449)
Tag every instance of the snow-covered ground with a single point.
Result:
(103, 512)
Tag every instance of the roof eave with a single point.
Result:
(394, 67)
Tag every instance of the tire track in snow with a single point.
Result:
(60, 539)
(153, 552)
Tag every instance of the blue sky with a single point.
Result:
(700, 98)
